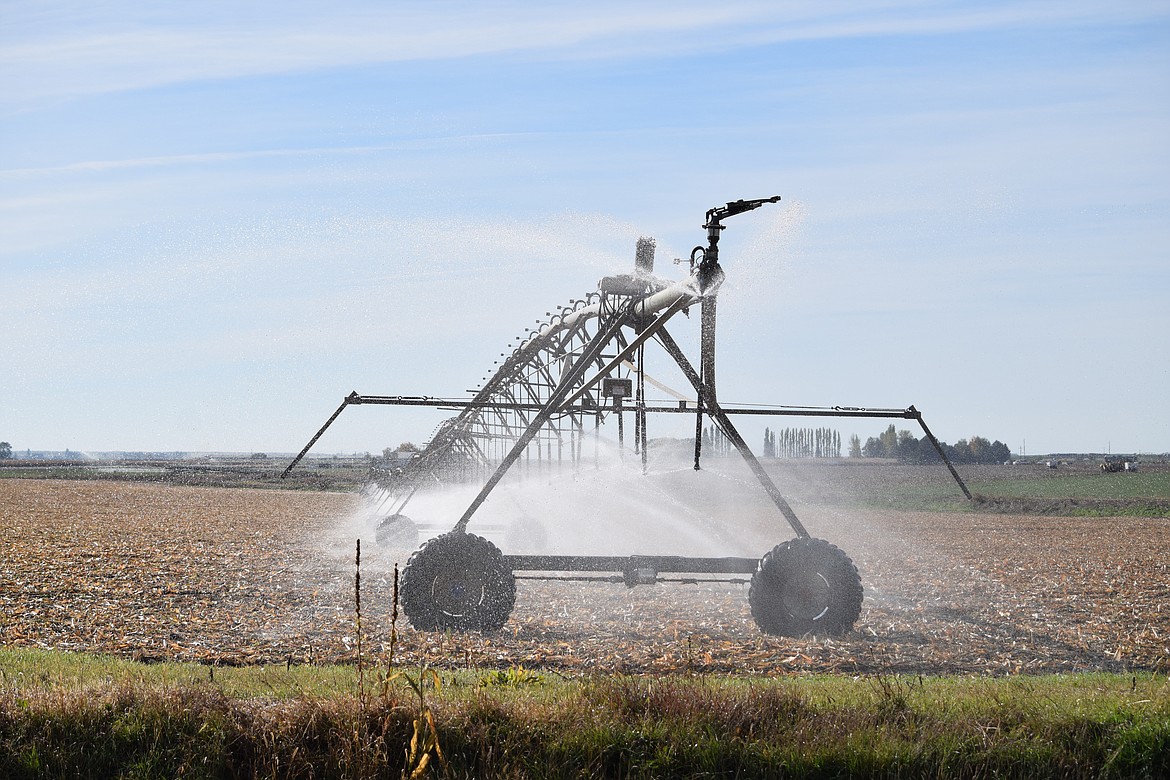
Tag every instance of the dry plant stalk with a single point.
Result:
(425, 739)
(393, 620)
(357, 602)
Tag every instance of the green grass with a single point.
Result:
(46, 472)
(238, 474)
(1082, 492)
(1116, 486)
(65, 715)
(32, 670)
(911, 497)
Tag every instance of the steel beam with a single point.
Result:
(658, 563)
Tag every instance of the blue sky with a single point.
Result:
(215, 222)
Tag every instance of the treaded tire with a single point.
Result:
(457, 581)
(398, 532)
(805, 586)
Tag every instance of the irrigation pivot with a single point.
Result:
(565, 378)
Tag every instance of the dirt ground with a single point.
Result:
(233, 576)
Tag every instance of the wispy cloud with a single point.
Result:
(391, 228)
(210, 158)
(54, 52)
(340, 280)
(97, 166)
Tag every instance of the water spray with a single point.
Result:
(582, 365)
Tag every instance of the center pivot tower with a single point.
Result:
(555, 387)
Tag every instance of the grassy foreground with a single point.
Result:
(65, 715)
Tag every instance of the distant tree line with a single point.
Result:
(5, 450)
(715, 442)
(802, 443)
(406, 446)
(907, 449)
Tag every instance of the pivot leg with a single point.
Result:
(716, 413)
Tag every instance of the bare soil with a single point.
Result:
(240, 576)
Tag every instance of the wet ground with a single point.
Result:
(259, 576)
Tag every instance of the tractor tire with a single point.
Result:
(398, 532)
(457, 581)
(805, 586)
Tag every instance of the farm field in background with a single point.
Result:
(1084, 483)
(1077, 488)
(1074, 487)
(337, 473)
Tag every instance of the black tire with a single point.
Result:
(805, 586)
(457, 581)
(397, 532)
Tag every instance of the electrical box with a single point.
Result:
(617, 388)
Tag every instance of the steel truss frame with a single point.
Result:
(545, 390)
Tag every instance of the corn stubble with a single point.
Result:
(245, 577)
(230, 578)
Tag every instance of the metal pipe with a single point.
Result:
(643, 438)
(720, 417)
(671, 309)
(590, 353)
(607, 305)
(938, 448)
(659, 563)
(757, 468)
(560, 396)
(797, 411)
(406, 500)
(687, 290)
(348, 400)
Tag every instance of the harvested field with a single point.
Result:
(236, 576)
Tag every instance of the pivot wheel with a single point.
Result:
(805, 586)
(457, 581)
(397, 531)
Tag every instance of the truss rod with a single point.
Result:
(800, 411)
(348, 400)
(716, 413)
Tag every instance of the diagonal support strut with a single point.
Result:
(561, 395)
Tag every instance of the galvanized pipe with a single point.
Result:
(689, 288)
